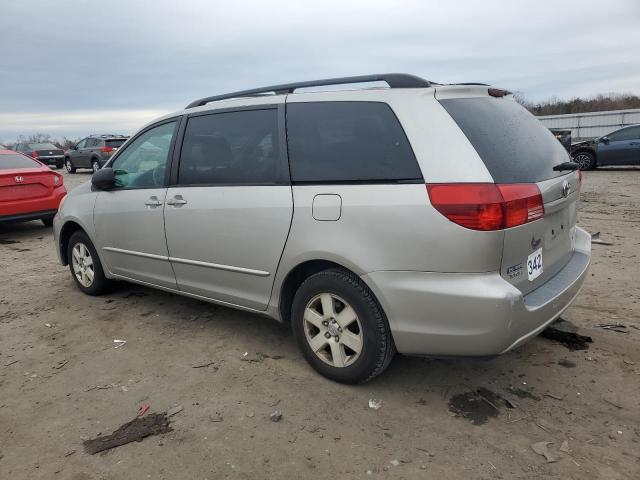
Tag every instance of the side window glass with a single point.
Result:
(143, 162)
(626, 134)
(82, 144)
(234, 148)
(347, 142)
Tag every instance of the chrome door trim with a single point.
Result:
(137, 254)
(217, 266)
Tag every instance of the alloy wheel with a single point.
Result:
(333, 330)
(95, 166)
(82, 264)
(583, 160)
(68, 165)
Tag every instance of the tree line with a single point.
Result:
(597, 103)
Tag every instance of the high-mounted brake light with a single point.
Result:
(487, 206)
(497, 92)
(106, 149)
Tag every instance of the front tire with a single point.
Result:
(340, 327)
(85, 265)
(586, 160)
(71, 168)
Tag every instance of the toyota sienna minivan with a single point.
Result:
(421, 218)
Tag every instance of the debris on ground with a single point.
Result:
(174, 410)
(69, 453)
(375, 404)
(133, 431)
(258, 357)
(565, 447)
(143, 409)
(101, 387)
(276, 416)
(566, 333)
(566, 363)
(595, 238)
(206, 363)
(478, 405)
(522, 393)
(542, 448)
(616, 327)
(395, 463)
(48, 325)
(60, 364)
(119, 343)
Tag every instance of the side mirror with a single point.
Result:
(104, 179)
(605, 140)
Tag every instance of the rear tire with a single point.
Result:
(340, 328)
(71, 168)
(95, 165)
(85, 265)
(586, 160)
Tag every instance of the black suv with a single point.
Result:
(92, 152)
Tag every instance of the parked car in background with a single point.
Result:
(46, 152)
(621, 147)
(371, 220)
(29, 190)
(92, 152)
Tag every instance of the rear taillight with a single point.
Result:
(487, 206)
(57, 180)
(579, 181)
(106, 149)
(34, 154)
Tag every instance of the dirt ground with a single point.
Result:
(63, 381)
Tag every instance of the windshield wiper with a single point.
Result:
(566, 166)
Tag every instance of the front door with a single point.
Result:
(129, 219)
(228, 216)
(621, 148)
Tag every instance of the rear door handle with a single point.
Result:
(176, 201)
(153, 202)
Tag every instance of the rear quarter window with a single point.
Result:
(513, 144)
(348, 142)
(115, 143)
(14, 160)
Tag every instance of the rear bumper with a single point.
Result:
(25, 217)
(53, 160)
(34, 208)
(473, 314)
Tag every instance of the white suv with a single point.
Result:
(424, 218)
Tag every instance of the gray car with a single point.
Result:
(420, 218)
(620, 147)
(92, 152)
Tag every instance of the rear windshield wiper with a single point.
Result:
(566, 166)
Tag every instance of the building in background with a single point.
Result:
(585, 126)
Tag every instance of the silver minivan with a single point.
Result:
(421, 218)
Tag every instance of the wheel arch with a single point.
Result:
(299, 274)
(68, 229)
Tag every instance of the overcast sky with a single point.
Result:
(74, 67)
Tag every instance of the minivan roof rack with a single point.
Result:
(394, 80)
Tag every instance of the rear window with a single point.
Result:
(115, 143)
(43, 146)
(348, 142)
(14, 160)
(512, 143)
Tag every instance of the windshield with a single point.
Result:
(513, 144)
(43, 146)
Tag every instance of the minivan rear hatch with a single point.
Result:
(517, 149)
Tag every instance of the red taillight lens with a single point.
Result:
(487, 206)
(106, 149)
(34, 154)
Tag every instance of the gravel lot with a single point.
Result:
(62, 381)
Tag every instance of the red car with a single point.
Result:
(29, 190)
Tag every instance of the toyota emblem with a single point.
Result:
(566, 188)
(18, 178)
